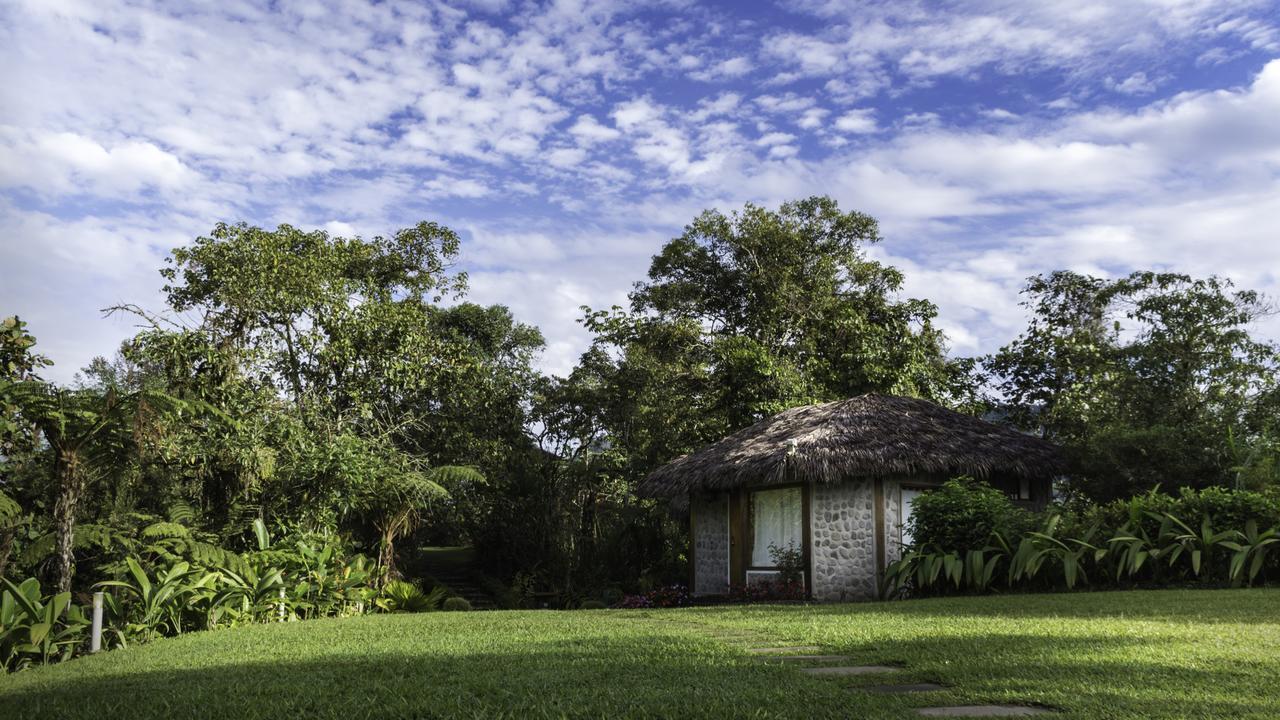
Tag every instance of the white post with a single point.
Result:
(281, 604)
(95, 638)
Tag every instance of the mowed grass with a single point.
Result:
(1153, 654)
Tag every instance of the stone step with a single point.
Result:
(784, 650)
(853, 670)
(902, 689)
(806, 658)
(984, 711)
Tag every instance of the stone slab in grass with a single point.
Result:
(852, 670)
(806, 658)
(903, 689)
(980, 711)
(784, 650)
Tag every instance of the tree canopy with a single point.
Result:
(1150, 379)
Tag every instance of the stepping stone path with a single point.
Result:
(902, 689)
(983, 711)
(810, 653)
(853, 670)
(806, 658)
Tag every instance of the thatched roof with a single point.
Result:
(869, 435)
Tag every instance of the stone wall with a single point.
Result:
(710, 543)
(844, 550)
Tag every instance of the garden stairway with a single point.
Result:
(454, 568)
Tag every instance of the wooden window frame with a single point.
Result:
(742, 534)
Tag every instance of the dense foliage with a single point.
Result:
(968, 537)
(1148, 379)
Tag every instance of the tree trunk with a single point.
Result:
(387, 555)
(64, 514)
(6, 547)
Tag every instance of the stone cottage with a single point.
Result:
(836, 482)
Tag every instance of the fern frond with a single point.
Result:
(164, 529)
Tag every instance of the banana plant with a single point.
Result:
(1250, 551)
(34, 628)
(162, 602)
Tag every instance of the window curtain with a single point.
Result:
(909, 496)
(776, 517)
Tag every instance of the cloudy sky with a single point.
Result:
(567, 141)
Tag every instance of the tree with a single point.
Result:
(1152, 379)
(745, 315)
(18, 362)
(740, 317)
(356, 335)
(340, 319)
(88, 435)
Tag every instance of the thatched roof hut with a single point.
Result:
(836, 484)
(866, 436)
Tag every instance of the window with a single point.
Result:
(909, 496)
(777, 519)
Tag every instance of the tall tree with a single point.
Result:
(344, 319)
(747, 314)
(88, 435)
(1148, 379)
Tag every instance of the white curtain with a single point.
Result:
(909, 496)
(775, 518)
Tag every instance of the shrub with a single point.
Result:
(401, 596)
(456, 604)
(962, 515)
(37, 628)
(781, 589)
(669, 596)
(1150, 539)
(790, 562)
(592, 605)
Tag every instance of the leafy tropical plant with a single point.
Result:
(90, 435)
(399, 596)
(159, 603)
(1250, 551)
(1069, 555)
(1196, 545)
(250, 594)
(35, 627)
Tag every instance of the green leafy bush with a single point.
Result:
(1153, 539)
(37, 628)
(963, 514)
(399, 596)
(592, 605)
(456, 604)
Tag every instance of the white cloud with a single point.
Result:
(67, 162)
(1136, 84)
(567, 142)
(734, 67)
(857, 122)
(588, 130)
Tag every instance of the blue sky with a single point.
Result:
(567, 141)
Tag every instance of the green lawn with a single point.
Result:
(1206, 654)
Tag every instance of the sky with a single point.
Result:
(567, 141)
